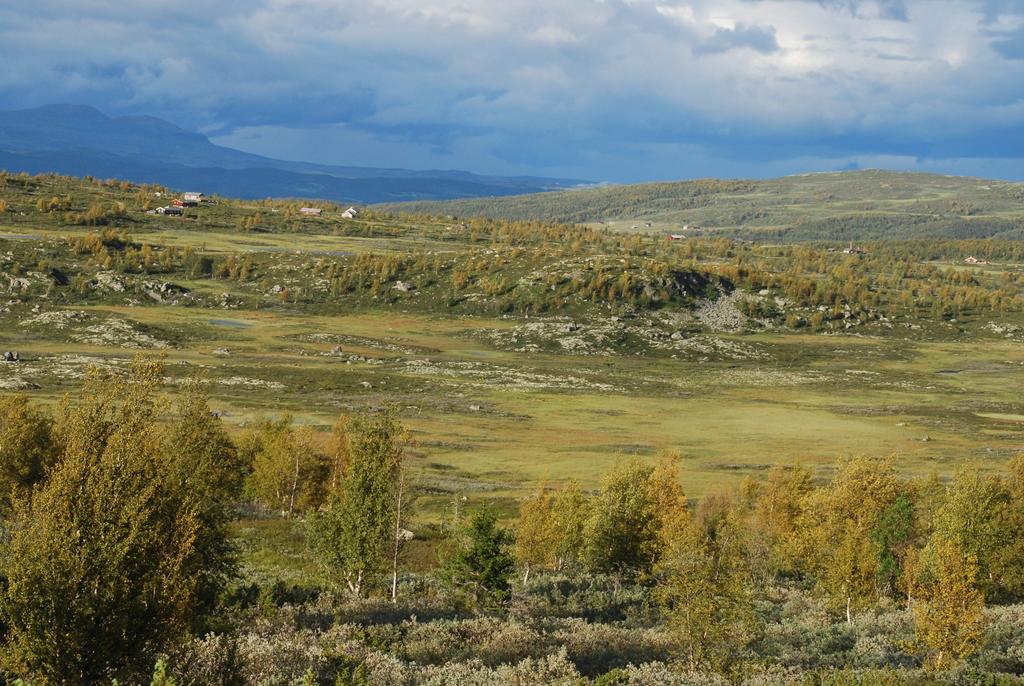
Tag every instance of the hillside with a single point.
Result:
(552, 377)
(860, 205)
(82, 141)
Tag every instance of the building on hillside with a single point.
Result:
(854, 250)
(311, 211)
(350, 213)
(676, 236)
(193, 196)
(169, 210)
(974, 260)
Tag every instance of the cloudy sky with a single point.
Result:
(617, 90)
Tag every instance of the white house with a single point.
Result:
(311, 211)
(350, 213)
(193, 196)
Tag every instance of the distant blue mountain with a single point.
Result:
(82, 141)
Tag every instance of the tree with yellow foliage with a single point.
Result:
(1016, 467)
(706, 591)
(837, 531)
(536, 535)
(948, 608)
(668, 499)
(28, 447)
(776, 515)
(288, 470)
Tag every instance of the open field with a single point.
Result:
(515, 418)
(499, 402)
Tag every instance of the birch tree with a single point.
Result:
(360, 527)
(948, 607)
(536, 536)
(288, 472)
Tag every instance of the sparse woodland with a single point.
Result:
(150, 540)
(118, 561)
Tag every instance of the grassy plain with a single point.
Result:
(490, 419)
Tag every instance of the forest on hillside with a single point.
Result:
(865, 205)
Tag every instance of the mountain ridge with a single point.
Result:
(81, 140)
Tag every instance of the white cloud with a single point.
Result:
(570, 82)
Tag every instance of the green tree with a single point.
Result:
(481, 562)
(892, 534)
(28, 447)
(982, 515)
(205, 472)
(623, 533)
(360, 526)
(100, 565)
(569, 512)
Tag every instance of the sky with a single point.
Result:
(603, 90)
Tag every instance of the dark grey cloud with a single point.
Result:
(601, 88)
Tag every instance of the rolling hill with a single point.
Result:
(856, 205)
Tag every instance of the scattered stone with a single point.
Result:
(366, 384)
(722, 314)
(110, 281)
(11, 356)
(474, 408)
(16, 284)
(117, 332)
(403, 286)
(55, 319)
(252, 383)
